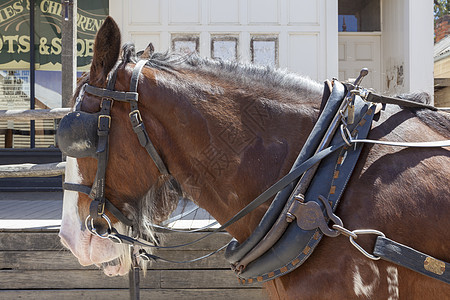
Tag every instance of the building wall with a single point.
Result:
(305, 31)
(407, 46)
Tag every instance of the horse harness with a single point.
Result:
(337, 137)
(81, 134)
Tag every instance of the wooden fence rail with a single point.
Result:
(32, 170)
(33, 114)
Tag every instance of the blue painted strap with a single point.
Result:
(412, 259)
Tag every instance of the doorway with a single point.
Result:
(359, 40)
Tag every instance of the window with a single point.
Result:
(224, 48)
(357, 16)
(264, 50)
(185, 44)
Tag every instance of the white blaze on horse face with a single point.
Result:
(87, 248)
(71, 223)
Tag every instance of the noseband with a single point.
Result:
(81, 134)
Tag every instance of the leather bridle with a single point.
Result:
(97, 192)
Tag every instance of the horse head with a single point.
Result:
(143, 195)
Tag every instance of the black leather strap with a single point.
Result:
(266, 195)
(108, 204)
(412, 259)
(375, 98)
(115, 95)
(138, 125)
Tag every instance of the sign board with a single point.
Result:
(15, 33)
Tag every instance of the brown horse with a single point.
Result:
(226, 132)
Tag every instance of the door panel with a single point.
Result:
(357, 52)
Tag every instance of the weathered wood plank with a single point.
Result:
(120, 294)
(200, 278)
(33, 114)
(69, 279)
(32, 170)
(27, 241)
(65, 260)
(89, 279)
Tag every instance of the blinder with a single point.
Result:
(81, 134)
(77, 134)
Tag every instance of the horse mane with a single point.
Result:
(239, 74)
(438, 121)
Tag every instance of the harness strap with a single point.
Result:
(138, 125)
(115, 95)
(97, 206)
(108, 204)
(266, 195)
(412, 259)
(375, 98)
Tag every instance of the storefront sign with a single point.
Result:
(15, 33)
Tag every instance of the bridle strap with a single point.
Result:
(108, 95)
(97, 206)
(108, 204)
(137, 123)
(116, 95)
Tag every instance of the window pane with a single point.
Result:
(14, 94)
(185, 44)
(264, 51)
(224, 48)
(363, 15)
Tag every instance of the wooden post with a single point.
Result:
(69, 50)
(8, 138)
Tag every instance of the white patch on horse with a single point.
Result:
(392, 280)
(71, 223)
(366, 287)
(80, 146)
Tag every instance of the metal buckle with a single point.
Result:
(104, 116)
(106, 99)
(134, 112)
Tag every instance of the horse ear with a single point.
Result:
(148, 51)
(106, 51)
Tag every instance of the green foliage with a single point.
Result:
(441, 8)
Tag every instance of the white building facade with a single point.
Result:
(318, 38)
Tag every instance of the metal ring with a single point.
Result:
(344, 135)
(361, 249)
(344, 231)
(92, 228)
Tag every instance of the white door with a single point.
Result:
(357, 51)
